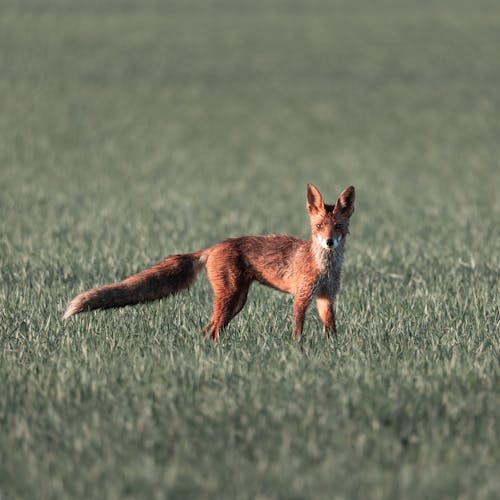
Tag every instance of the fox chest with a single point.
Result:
(328, 279)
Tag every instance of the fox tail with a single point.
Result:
(170, 276)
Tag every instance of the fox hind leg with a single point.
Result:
(241, 300)
(226, 306)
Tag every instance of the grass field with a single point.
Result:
(133, 130)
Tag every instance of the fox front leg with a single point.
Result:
(327, 314)
(300, 305)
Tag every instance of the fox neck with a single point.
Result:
(328, 260)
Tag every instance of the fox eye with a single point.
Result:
(338, 226)
(318, 226)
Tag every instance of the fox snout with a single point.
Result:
(329, 243)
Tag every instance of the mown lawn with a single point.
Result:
(133, 130)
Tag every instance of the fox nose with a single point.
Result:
(329, 242)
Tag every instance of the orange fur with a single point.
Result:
(306, 269)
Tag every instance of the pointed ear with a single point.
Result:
(314, 199)
(345, 203)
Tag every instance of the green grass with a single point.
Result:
(133, 130)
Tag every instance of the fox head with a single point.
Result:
(329, 223)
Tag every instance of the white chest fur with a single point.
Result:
(329, 264)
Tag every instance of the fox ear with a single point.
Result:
(345, 203)
(314, 199)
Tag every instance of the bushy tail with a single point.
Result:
(174, 274)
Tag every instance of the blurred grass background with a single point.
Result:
(130, 131)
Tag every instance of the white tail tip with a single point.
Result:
(73, 308)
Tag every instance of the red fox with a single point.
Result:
(306, 269)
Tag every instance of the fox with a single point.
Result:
(307, 269)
